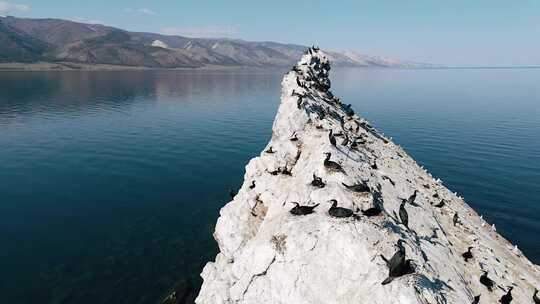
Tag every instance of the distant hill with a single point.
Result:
(56, 40)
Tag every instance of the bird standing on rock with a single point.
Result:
(476, 300)
(486, 281)
(535, 297)
(332, 138)
(403, 215)
(317, 182)
(361, 187)
(397, 265)
(467, 255)
(330, 165)
(507, 298)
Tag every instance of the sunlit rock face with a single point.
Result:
(269, 255)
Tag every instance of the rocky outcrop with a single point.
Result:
(269, 255)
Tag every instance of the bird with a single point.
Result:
(412, 198)
(455, 219)
(476, 300)
(440, 204)
(294, 137)
(535, 297)
(467, 255)
(361, 187)
(232, 194)
(252, 185)
(302, 210)
(345, 140)
(331, 165)
(332, 138)
(403, 215)
(317, 182)
(507, 298)
(486, 281)
(270, 151)
(397, 265)
(339, 212)
(374, 166)
(373, 211)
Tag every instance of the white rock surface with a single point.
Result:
(268, 255)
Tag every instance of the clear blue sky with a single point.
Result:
(455, 32)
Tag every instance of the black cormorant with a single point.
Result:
(336, 211)
(345, 140)
(397, 265)
(486, 281)
(476, 300)
(332, 138)
(317, 182)
(507, 298)
(467, 255)
(252, 185)
(294, 137)
(270, 151)
(403, 215)
(440, 204)
(302, 210)
(361, 187)
(412, 198)
(331, 165)
(374, 166)
(535, 297)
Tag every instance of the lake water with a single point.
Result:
(111, 182)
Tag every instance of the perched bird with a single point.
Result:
(361, 187)
(232, 194)
(486, 281)
(467, 255)
(440, 204)
(476, 300)
(294, 137)
(332, 138)
(373, 211)
(302, 210)
(536, 300)
(330, 165)
(374, 166)
(270, 151)
(507, 298)
(397, 265)
(345, 140)
(403, 215)
(317, 182)
(339, 212)
(252, 186)
(455, 219)
(412, 198)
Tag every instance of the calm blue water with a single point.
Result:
(111, 182)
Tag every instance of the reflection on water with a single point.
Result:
(111, 182)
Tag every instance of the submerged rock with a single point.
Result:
(268, 255)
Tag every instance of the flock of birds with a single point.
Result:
(398, 265)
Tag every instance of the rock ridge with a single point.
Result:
(273, 253)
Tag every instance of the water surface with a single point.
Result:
(111, 182)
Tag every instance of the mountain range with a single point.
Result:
(26, 40)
